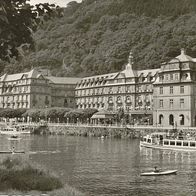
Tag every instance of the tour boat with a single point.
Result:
(164, 142)
(159, 173)
(9, 131)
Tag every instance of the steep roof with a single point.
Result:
(63, 80)
(12, 77)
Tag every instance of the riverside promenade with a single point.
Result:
(98, 130)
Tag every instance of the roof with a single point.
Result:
(12, 77)
(108, 76)
(103, 114)
(63, 80)
(183, 57)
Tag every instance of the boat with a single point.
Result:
(12, 152)
(14, 137)
(159, 173)
(164, 141)
(9, 131)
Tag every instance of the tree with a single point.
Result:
(18, 20)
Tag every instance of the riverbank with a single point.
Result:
(112, 131)
(19, 177)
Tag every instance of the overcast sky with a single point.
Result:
(61, 3)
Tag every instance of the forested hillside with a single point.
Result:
(96, 36)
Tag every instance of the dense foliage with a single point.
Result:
(95, 37)
(16, 174)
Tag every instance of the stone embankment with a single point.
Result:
(94, 131)
(107, 131)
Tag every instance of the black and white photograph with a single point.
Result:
(97, 98)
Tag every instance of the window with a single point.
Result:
(161, 103)
(181, 89)
(181, 117)
(128, 89)
(171, 103)
(185, 143)
(160, 119)
(161, 78)
(172, 143)
(171, 90)
(181, 103)
(171, 119)
(178, 143)
(166, 77)
(192, 144)
(176, 76)
(171, 77)
(161, 90)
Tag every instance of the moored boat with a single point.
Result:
(9, 131)
(164, 142)
(159, 173)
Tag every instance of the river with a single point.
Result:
(110, 166)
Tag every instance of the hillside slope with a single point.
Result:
(96, 36)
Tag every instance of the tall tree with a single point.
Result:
(18, 19)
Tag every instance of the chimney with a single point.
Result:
(183, 51)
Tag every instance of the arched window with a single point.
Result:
(160, 119)
(171, 119)
(128, 99)
(181, 119)
(119, 99)
(110, 100)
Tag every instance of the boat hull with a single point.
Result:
(162, 147)
(168, 172)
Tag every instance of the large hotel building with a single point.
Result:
(167, 95)
(34, 90)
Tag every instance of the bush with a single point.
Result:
(24, 177)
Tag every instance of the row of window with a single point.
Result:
(112, 90)
(172, 76)
(171, 119)
(171, 103)
(171, 90)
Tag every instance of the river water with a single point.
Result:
(110, 166)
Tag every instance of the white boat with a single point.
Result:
(159, 173)
(163, 142)
(9, 131)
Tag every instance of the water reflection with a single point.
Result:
(110, 166)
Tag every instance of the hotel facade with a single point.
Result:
(34, 90)
(164, 96)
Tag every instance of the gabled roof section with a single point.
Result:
(13, 77)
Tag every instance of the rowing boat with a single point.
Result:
(159, 173)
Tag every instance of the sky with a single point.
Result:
(61, 3)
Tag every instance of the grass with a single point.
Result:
(22, 176)
(19, 177)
